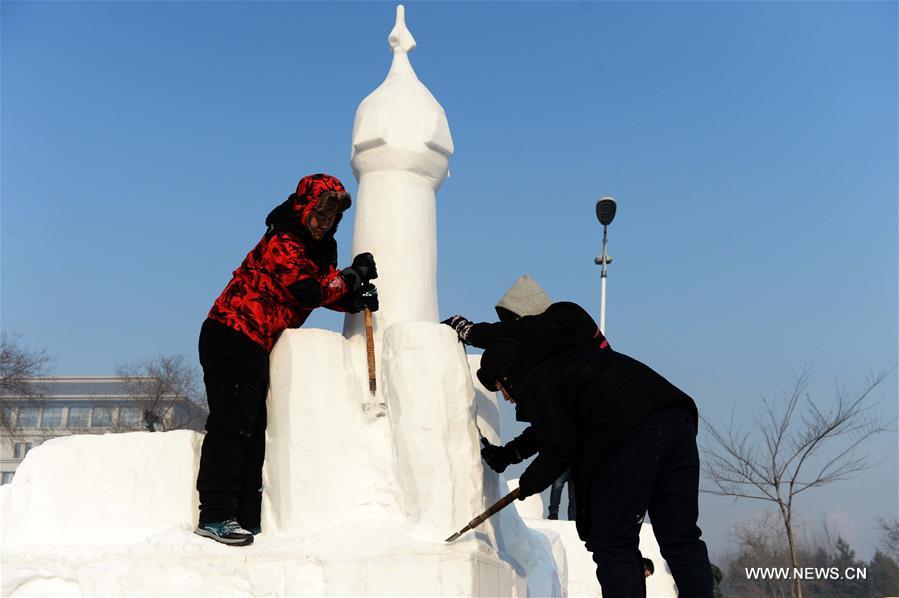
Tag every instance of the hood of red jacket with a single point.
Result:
(295, 210)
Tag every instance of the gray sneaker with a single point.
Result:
(227, 532)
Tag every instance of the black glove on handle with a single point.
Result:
(364, 265)
(365, 297)
(498, 458)
(352, 279)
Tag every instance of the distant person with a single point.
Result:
(648, 567)
(555, 497)
(290, 272)
(628, 436)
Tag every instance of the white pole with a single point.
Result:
(602, 308)
(602, 301)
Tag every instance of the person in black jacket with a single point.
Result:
(629, 437)
(527, 313)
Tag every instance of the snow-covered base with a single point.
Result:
(358, 497)
(179, 563)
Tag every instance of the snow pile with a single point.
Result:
(354, 504)
(96, 490)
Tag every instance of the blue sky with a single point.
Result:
(751, 148)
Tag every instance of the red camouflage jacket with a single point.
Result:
(287, 274)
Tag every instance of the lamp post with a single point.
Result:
(605, 213)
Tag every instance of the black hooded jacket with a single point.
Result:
(562, 325)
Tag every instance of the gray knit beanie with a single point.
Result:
(524, 298)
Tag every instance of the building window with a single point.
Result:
(102, 417)
(17, 451)
(27, 417)
(79, 417)
(7, 477)
(27, 448)
(52, 417)
(130, 417)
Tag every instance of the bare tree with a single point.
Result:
(19, 366)
(890, 537)
(757, 542)
(786, 452)
(170, 395)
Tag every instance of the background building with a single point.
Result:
(61, 406)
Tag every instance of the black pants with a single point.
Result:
(654, 468)
(235, 371)
(555, 496)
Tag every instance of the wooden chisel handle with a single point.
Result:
(370, 347)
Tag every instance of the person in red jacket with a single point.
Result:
(290, 272)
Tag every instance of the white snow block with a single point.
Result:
(326, 463)
(103, 489)
(431, 411)
(371, 499)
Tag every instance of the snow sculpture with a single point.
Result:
(400, 155)
(352, 504)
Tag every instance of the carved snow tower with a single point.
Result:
(400, 156)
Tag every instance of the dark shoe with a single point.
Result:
(253, 528)
(553, 516)
(227, 532)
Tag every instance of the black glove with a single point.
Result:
(524, 489)
(365, 297)
(352, 279)
(364, 265)
(498, 458)
(480, 335)
(461, 325)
